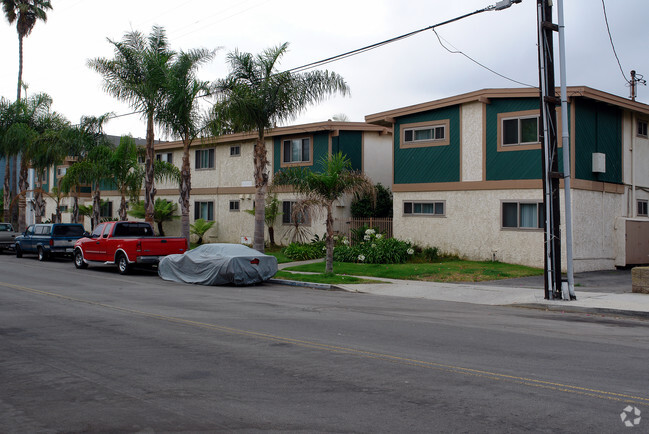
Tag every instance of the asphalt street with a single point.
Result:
(90, 350)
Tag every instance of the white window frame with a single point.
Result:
(519, 141)
(642, 203)
(301, 159)
(410, 208)
(641, 128)
(287, 214)
(199, 159)
(539, 216)
(165, 156)
(198, 204)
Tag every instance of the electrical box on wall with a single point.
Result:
(599, 162)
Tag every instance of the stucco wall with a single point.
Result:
(471, 141)
(471, 227)
(377, 157)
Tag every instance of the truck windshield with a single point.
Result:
(68, 231)
(133, 230)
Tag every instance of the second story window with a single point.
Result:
(235, 151)
(642, 208)
(297, 150)
(642, 129)
(426, 134)
(204, 158)
(165, 156)
(520, 130)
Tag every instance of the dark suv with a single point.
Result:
(49, 239)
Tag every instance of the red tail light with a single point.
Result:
(255, 261)
(138, 246)
(51, 242)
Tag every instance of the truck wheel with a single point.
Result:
(122, 264)
(19, 251)
(78, 260)
(42, 254)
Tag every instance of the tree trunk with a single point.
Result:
(96, 206)
(329, 263)
(23, 186)
(38, 199)
(161, 232)
(185, 192)
(149, 188)
(75, 205)
(271, 235)
(20, 66)
(122, 208)
(7, 192)
(261, 183)
(14, 191)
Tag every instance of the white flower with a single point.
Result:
(410, 251)
(379, 236)
(346, 242)
(373, 245)
(361, 258)
(367, 237)
(324, 249)
(409, 241)
(335, 237)
(370, 232)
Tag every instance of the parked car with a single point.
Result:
(7, 236)
(218, 264)
(49, 239)
(125, 244)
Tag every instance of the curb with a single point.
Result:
(582, 309)
(321, 286)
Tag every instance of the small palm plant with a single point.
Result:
(163, 211)
(199, 228)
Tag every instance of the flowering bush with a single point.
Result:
(374, 249)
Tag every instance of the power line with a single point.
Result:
(608, 29)
(439, 38)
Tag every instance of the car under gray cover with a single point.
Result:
(218, 264)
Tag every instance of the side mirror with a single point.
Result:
(86, 234)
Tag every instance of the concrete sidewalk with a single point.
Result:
(598, 297)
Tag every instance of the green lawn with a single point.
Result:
(331, 279)
(447, 271)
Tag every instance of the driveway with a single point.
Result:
(607, 281)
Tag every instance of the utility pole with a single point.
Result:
(550, 166)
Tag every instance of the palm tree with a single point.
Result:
(92, 170)
(25, 13)
(165, 211)
(271, 213)
(126, 172)
(255, 96)
(180, 116)
(47, 150)
(322, 189)
(7, 119)
(137, 75)
(79, 141)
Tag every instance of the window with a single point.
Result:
(422, 134)
(642, 129)
(287, 214)
(642, 208)
(60, 171)
(205, 158)
(297, 150)
(424, 208)
(68, 231)
(234, 205)
(165, 156)
(106, 209)
(96, 233)
(42, 230)
(235, 151)
(520, 130)
(204, 210)
(522, 215)
(63, 208)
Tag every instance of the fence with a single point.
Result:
(346, 226)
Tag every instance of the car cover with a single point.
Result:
(218, 264)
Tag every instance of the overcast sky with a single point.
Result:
(411, 71)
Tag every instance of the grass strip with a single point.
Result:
(446, 271)
(331, 279)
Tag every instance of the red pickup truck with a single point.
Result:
(125, 244)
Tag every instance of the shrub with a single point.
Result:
(303, 252)
(375, 249)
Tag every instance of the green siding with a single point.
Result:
(350, 143)
(598, 129)
(433, 163)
